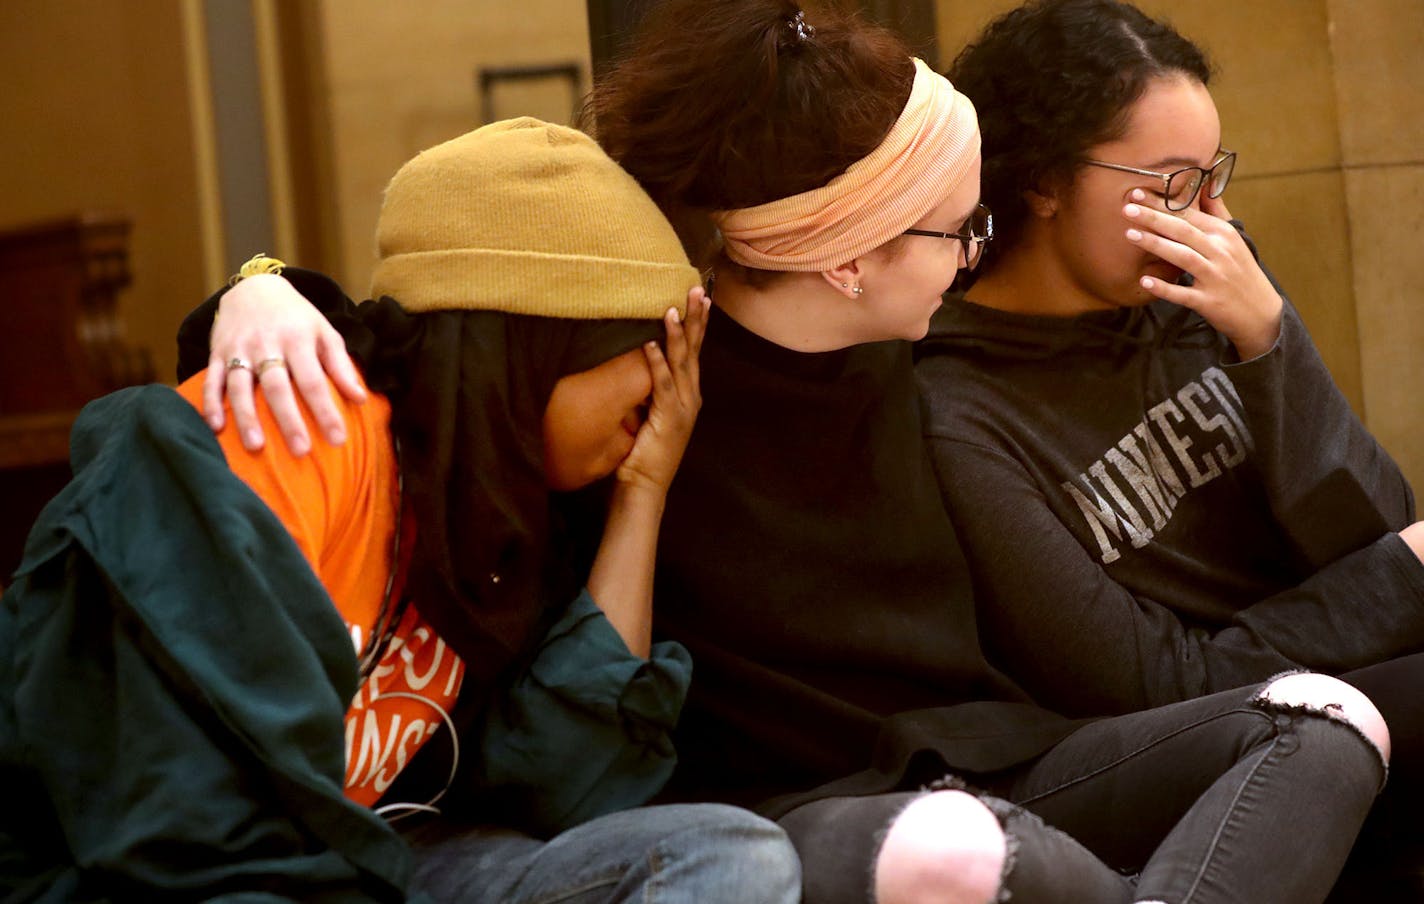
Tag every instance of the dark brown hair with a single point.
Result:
(723, 104)
(1051, 79)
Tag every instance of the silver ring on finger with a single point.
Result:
(237, 364)
(267, 364)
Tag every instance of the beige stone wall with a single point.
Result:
(1321, 99)
(1379, 71)
(96, 117)
(400, 77)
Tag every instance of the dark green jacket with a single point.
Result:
(173, 679)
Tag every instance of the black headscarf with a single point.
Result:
(468, 391)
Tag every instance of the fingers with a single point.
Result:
(331, 351)
(676, 339)
(664, 387)
(306, 370)
(1190, 227)
(681, 355)
(698, 310)
(244, 410)
(676, 395)
(276, 382)
(1176, 226)
(662, 438)
(658, 447)
(214, 387)
(1188, 239)
(1169, 291)
(1173, 238)
(1166, 236)
(275, 375)
(310, 370)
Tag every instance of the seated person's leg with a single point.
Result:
(686, 853)
(1214, 798)
(1388, 860)
(946, 847)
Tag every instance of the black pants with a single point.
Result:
(1387, 864)
(1225, 798)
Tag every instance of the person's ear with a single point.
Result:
(845, 279)
(1043, 205)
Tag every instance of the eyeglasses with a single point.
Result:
(981, 229)
(1179, 189)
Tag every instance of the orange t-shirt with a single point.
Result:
(339, 504)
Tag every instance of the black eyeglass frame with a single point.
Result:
(1204, 177)
(967, 239)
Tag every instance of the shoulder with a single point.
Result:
(365, 424)
(315, 495)
(960, 389)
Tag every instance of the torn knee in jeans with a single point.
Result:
(1039, 862)
(1310, 694)
(1004, 812)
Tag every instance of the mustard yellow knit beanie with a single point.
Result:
(530, 218)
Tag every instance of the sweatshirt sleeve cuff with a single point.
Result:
(586, 664)
(1286, 337)
(1405, 563)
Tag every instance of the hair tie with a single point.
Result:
(258, 263)
(798, 26)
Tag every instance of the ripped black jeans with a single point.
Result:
(1224, 798)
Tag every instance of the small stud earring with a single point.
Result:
(845, 285)
(858, 290)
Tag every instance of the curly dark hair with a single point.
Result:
(1051, 79)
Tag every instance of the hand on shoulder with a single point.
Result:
(267, 334)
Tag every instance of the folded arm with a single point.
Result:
(1086, 645)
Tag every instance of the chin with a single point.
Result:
(920, 329)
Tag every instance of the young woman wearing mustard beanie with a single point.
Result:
(224, 670)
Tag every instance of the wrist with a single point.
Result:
(638, 493)
(1251, 347)
(247, 291)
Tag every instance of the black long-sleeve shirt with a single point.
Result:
(808, 565)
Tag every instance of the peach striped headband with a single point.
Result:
(923, 158)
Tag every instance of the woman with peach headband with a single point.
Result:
(927, 154)
(831, 184)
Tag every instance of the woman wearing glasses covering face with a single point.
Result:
(1167, 451)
